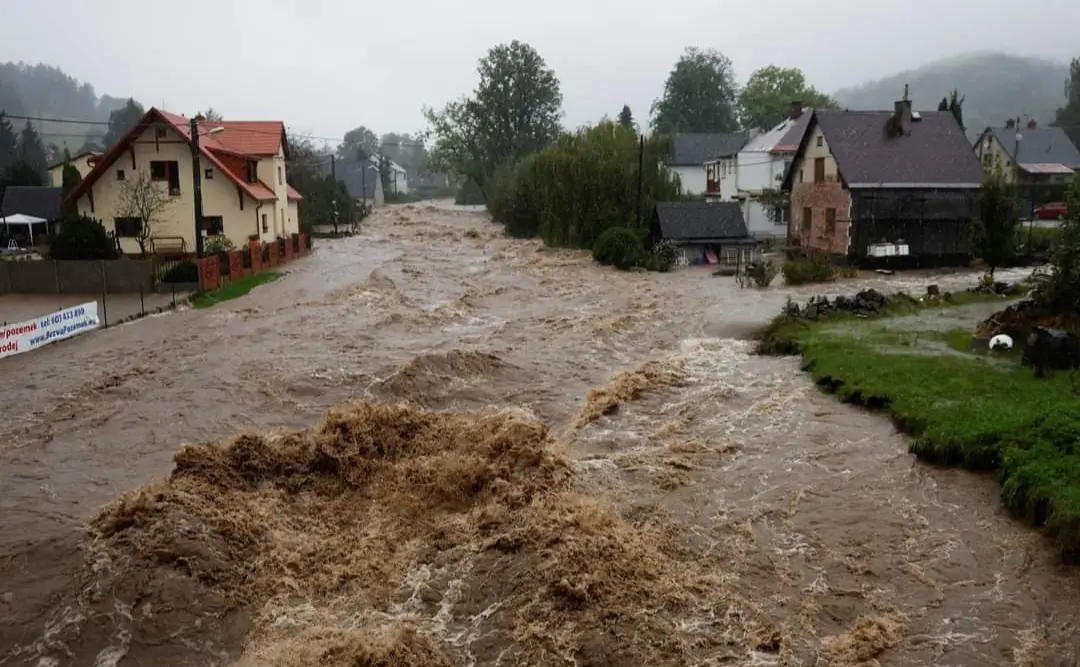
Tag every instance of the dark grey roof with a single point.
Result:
(1040, 145)
(935, 152)
(793, 137)
(697, 149)
(38, 201)
(701, 221)
(350, 172)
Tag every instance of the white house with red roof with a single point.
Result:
(245, 190)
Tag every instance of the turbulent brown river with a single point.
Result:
(689, 503)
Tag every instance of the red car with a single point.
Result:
(1055, 211)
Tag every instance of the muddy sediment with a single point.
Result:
(547, 460)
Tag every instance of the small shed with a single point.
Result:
(704, 232)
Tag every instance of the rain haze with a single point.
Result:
(326, 66)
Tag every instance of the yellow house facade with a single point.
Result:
(83, 162)
(245, 192)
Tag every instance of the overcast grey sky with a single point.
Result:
(325, 66)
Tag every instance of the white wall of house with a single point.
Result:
(757, 171)
(692, 178)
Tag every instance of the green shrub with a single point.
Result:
(814, 268)
(664, 255)
(83, 238)
(184, 272)
(762, 273)
(217, 243)
(619, 247)
(587, 182)
(470, 194)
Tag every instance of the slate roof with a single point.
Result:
(1040, 145)
(696, 149)
(701, 221)
(784, 138)
(38, 201)
(936, 152)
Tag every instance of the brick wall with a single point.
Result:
(305, 244)
(256, 256)
(209, 278)
(289, 248)
(275, 258)
(236, 265)
(819, 198)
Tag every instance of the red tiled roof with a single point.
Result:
(293, 194)
(227, 153)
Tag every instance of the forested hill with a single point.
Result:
(44, 90)
(996, 86)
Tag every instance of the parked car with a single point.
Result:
(1054, 211)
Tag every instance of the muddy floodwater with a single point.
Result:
(821, 530)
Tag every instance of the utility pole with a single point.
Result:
(333, 177)
(196, 183)
(640, 175)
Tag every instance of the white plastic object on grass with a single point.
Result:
(1001, 342)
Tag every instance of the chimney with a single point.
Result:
(796, 109)
(1010, 124)
(1032, 124)
(902, 116)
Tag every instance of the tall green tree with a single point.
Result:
(1060, 293)
(956, 107)
(514, 110)
(995, 228)
(358, 143)
(943, 105)
(19, 173)
(626, 117)
(766, 99)
(32, 151)
(1068, 116)
(700, 95)
(9, 143)
(211, 114)
(121, 120)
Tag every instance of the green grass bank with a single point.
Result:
(963, 406)
(234, 289)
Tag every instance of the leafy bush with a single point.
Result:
(664, 255)
(83, 238)
(814, 268)
(762, 273)
(587, 182)
(1060, 292)
(218, 243)
(619, 247)
(469, 194)
(184, 272)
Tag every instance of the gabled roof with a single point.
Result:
(784, 138)
(935, 153)
(701, 221)
(74, 158)
(698, 148)
(1038, 145)
(38, 201)
(227, 153)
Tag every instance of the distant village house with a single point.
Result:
(690, 152)
(870, 184)
(703, 232)
(245, 191)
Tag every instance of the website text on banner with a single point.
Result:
(32, 334)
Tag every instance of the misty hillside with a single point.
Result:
(996, 86)
(43, 90)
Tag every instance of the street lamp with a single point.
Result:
(196, 179)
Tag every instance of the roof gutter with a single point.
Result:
(912, 186)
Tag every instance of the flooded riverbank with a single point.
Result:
(825, 541)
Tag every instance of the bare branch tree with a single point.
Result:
(146, 200)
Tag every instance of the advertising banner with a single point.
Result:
(32, 334)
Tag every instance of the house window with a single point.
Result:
(160, 132)
(252, 171)
(208, 173)
(213, 225)
(819, 170)
(265, 226)
(280, 175)
(128, 227)
(820, 140)
(120, 174)
(830, 221)
(807, 219)
(168, 172)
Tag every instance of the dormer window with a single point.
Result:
(252, 171)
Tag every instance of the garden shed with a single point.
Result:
(704, 232)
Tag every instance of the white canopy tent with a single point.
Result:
(21, 219)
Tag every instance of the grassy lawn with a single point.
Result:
(235, 289)
(977, 409)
